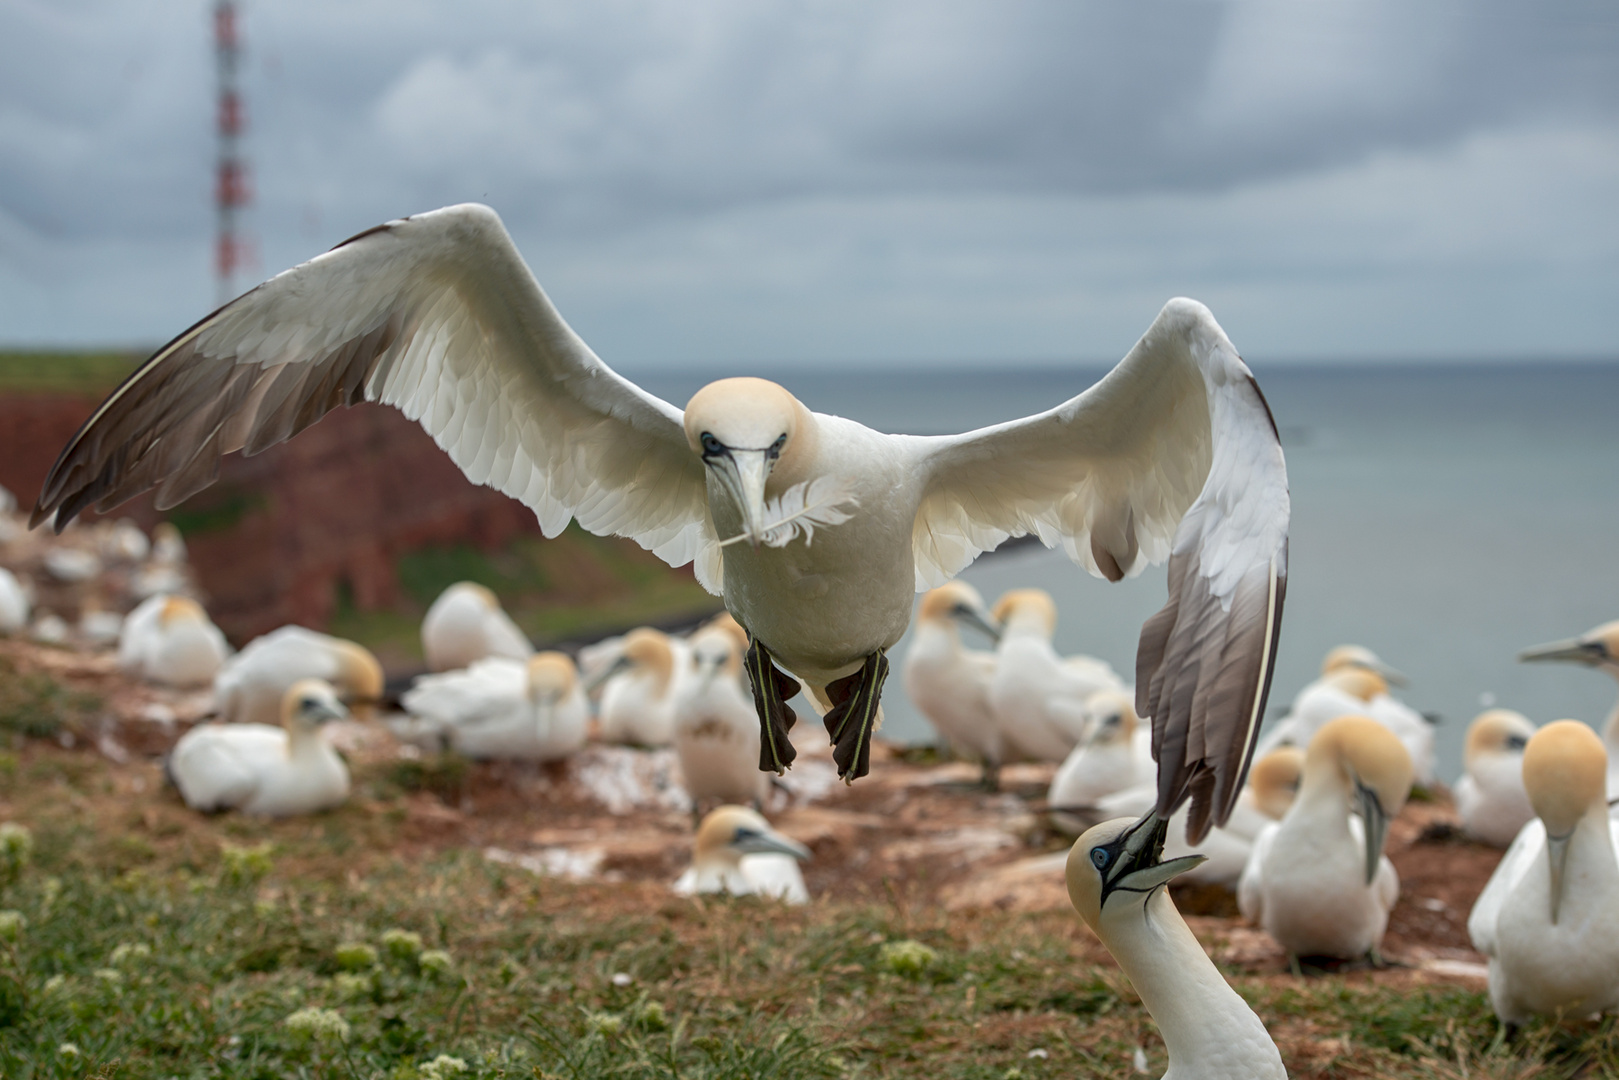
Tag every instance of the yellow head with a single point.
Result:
(1497, 731)
(1274, 780)
(1358, 682)
(359, 677)
(755, 439)
(1565, 773)
(714, 649)
(649, 650)
(1031, 608)
(309, 703)
(1598, 647)
(551, 676)
(727, 622)
(180, 609)
(730, 832)
(1115, 868)
(1113, 718)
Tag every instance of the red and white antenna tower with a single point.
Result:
(230, 188)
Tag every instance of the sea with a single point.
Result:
(1445, 515)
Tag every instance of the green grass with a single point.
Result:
(65, 372)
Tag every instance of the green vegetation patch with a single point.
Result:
(34, 704)
(65, 372)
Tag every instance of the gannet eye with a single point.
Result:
(307, 704)
(775, 447)
(1100, 857)
(711, 445)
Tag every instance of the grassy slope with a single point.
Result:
(65, 372)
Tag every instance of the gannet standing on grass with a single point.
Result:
(1490, 796)
(1040, 699)
(251, 685)
(737, 852)
(1318, 881)
(500, 708)
(815, 529)
(466, 624)
(949, 683)
(1598, 648)
(170, 640)
(1549, 917)
(716, 732)
(263, 769)
(1116, 877)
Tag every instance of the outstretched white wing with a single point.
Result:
(435, 314)
(1174, 454)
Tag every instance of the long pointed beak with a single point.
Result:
(602, 674)
(1576, 649)
(773, 842)
(1557, 859)
(1138, 867)
(1376, 821)
(742, 473)
(978, 619)
(1392, 676)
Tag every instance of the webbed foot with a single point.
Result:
(852, 720)
(771, 689)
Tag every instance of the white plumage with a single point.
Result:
(525, 710)
(14, 606)
(1548, 919)
(949, 683)
(638, 698)
(1115, 755)
(1039, 698)
(466, 624)
(1317, 881)
(1173, 455)
(1490, 796)
(261, 769)
(171, 641)
(251, 685)
(737, 852)
(1355, 690)
(716, 733)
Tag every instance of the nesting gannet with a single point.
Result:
(1317, 880)
(261, 769)
(170, 640)
(737, 852)
(1272, 784)
(14, 605)
(72, 565)
(1039, 698)
(1548, 920)
(465, 624)
(250, 686)
(123, 541)
(1355, 690)
(1598, 648)
(815, 529)
(1490, 797)
(638, 694)
(716, 733)
(525, 710)
(949, 683)
(1114, 756)
(1116, 876)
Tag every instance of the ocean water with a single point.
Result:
(1446, 516)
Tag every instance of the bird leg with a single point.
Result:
(771, 689)
(853, 717)
(990, 778)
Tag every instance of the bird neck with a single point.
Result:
(303, 741)
(1203, 1021)
(1592, 845)
(1321, 806)
(1610, 733)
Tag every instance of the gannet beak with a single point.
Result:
(623, 663)
(1138, 867)
(768, 841)
(1579, 650)
(742, 473)
(325, 712)
(1392, 676)
(978, 619)
(1556, 859)
(1376, 822)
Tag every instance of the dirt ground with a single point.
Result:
(916, 831)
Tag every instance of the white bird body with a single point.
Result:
(1317, 881)
(1209, 1031)
(1490, 796)
(466, 624)
(1547, 919)
(171, 641)
(638, 699)
(716, 732)
(1355, 690)
(505, 709)
(261, 769)
(949, 683)
(1117, 755)
(1039, 698)
(249, 688)
(737, 852)
(14, 606)
(1173, 455)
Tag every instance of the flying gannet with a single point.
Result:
(737, 852)
(1547, 919)
(949, 683)
(170, 640)
(1116, 877)
(1490, 797)
(251, 685)
(263, 769)
(1318, 881)
(500, 708)
(816, 530)
(1598, 648)
(465, 624)
(1040, 699)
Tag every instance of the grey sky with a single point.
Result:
(751, 182)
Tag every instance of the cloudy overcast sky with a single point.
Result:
(766, 183)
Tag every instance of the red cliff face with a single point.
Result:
(273, 540)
